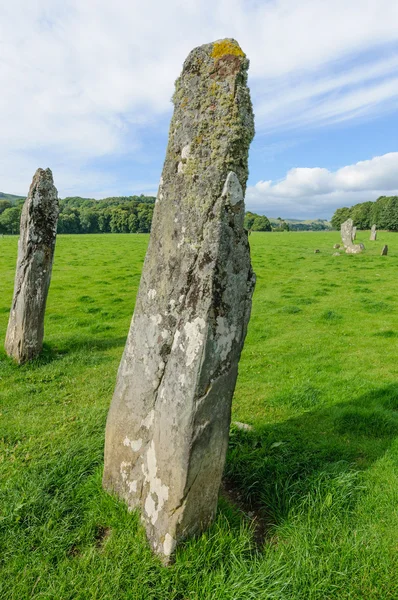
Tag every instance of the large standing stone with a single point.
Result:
(347, 238)
(168, 424)
(36, 246)
(373, 233)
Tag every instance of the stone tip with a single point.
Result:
(43, 173)
(43, 182)
(216, 56)
(226, 46)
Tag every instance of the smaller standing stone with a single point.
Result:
(36, 246)
(354, 233)
(384, 252)
(336, 246)
(347, 238)
(373, 234)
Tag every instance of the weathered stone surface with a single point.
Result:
(347, 238)
(355, 249)
(36, 246)
(373, 234)
(384, 252)
(168, 424)
(346, 232)
(336, 246)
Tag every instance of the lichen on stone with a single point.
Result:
(227, 46)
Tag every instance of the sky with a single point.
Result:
(86, 88)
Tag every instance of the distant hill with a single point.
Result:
(11, 197)
(304, 225)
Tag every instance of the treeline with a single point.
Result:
(126, 214)
(383, 213)
(122, 214)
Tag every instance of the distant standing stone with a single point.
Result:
(336, 246)
(384, 252)
(346, 232)
(347, 238)
(373, 233)
(36, 246)
(354, 233)
(168, 424)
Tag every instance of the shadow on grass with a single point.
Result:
(52, 352)
(271, 469)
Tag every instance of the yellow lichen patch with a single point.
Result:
(226, 47)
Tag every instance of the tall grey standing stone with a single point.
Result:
(168, 424)
(373, 233)
(24, 339)
(347, 238)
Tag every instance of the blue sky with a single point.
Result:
(86, 88)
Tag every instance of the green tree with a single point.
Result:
(4, 204)
(361, 215)
(389, 213)
(249, 220)
(10, 220)
(261, 223)
(340, 215)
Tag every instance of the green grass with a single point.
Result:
(318, 381)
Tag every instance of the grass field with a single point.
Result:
(315, 482)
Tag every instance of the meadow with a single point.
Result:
(309, 505)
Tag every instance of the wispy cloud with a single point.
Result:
(83, 80)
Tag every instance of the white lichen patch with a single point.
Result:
(158, 492)
(176, 339)
(169, 544)
(123, 469)
(148, 421)
(152, 294)
(232, 190)
(135, 445)
(156, 319)
(132, 487)
(194, 333)
(225, 336)
(186, 151)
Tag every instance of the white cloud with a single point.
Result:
(317, 192)
(81, 79)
